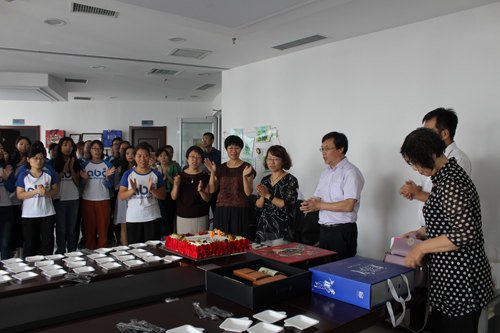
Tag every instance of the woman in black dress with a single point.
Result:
(460, 278)
(277, 195)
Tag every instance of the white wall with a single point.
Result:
(94, 117)
(376, 89)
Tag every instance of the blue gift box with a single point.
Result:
(361, 281)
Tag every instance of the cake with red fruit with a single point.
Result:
(206, 244)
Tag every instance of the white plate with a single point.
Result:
(153, 242)
(119, 253)
(73, 259)
(75, 264)
(55, 257)
(84, 269)
(34, 258)
(236, 324)
(301, 322)
(15, 265)
(54, 273)
(186, 329)
(104, 260)
(144, 254)
(265, 328)
(20, 269)
(4, 279)
(134, 251)
(11, 261)
(44, 263)
(152, 259)
(133, 263)
(24, 276)
(103, 250)
(96, 256)
(3, 273)
(74, 254)
(120, 248)
(137, 245)
(171, 258)
(110, 265)
(50, 268)
(270, 316)
(125, 258)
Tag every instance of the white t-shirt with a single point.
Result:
(67, 188)
(97, 188)
(37, 205)
(142, 205)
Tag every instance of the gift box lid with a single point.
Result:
(361, 269)
(292, 253)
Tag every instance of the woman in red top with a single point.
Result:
(235, 178)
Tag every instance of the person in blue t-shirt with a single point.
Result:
(37, 187)
(142, 187)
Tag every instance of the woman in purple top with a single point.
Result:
(192, 191)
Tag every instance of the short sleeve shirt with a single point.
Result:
(232, 192)
(97, 188)
(37, 205)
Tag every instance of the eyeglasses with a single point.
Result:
(95, 148)
(326, 149)
(38, 158)
(273, 159)
(195, 157)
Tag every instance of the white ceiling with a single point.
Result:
(137, 40)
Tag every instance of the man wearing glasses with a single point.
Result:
(337, 198)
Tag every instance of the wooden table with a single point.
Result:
(333, 315)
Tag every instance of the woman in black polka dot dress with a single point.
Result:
(460, 277)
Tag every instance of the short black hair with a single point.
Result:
(445, 119)
(161, 151)
(126, 142)
(100, 144)
(32, 153)
(117, 139)
(233, 140)
(144, 145)
(210, 135)
(196, 149)
(52, 146)
(339, 139)
(420, 145)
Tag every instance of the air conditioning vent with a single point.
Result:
(86, 9)
(189, 53)
(299, 42)
(206, 86)
(82, 98)
(76, 80)
(164, 71)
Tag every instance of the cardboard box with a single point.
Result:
(294, 254)
(361, 281)
(223, 282)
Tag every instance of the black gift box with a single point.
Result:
(221, 281)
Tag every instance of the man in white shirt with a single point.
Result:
(444, 122)
(337, 198)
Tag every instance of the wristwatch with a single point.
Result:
(271, 198)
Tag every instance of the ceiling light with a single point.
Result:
(180, 99)
(193, 96)
(98, 67)
(113, 97)
(54, 21)
(177, 39)
(204, 74)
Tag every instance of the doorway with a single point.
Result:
(156, 136)
(192, 130)
(9, 134)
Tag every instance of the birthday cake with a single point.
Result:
(206, 244)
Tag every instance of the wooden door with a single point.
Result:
(156, 136)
